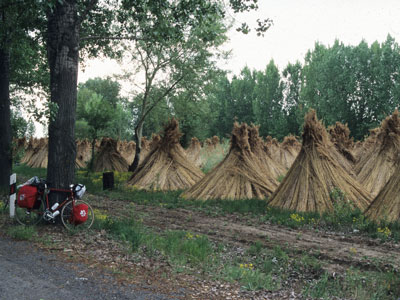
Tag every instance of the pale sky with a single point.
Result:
(298, 24)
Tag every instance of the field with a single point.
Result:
(226, 249)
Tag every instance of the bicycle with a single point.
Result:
(42, 210)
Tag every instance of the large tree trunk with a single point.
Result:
(138, 141)
(5, 122)
(63, 56)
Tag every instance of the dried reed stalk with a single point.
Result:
(166, 167)
(289, 149)
(109, 158)
(316, 173)
(239, 176)
(374, 170)
(386, 205)
(340, 137)
(39, 156)
(193, 152)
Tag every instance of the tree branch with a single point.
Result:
(166, 92)
(100, 37)
(88, 8)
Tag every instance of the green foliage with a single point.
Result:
(97, 112)
(22, 232)
(101, 111)
(20, 126)
(130, 231)
(107, 88)
(213, 158)
(355, 284)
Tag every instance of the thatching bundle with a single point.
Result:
(239, 176)
(166, 167)
(370, 143)
(270, 167)
(386, 205)
(208, 145)
(29, 151)
(39, 156)
(83, 153)
(340, 137)
(193, 151)
(273, 148)
(316, 173)
(374, 170)
(145, 148)
(155, 139)
(127, 150)
(109, 158)
(289, 149)
(215, 141)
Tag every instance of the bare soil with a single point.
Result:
(336, 250)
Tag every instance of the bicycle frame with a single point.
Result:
(48, 212)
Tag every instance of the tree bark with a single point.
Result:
(63, 57)
(5, 121)
(138, 147)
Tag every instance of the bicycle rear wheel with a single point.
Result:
(67, 218)
(29, 216)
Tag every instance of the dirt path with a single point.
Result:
(30, 274)
(338, 250)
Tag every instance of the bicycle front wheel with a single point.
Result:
(29, 216)
(67, 217)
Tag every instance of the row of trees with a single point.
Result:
(53, 36)
(358, 85)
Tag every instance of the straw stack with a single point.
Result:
(316, 174)
(166, 167)
(239, 176)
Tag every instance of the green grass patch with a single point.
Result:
(355, 284)
(22, 232)
(344, 217)
(26, 172)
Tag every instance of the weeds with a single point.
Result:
(355, 284)
(22, 232)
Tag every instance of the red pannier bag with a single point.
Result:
(27, 196)
(80, 214)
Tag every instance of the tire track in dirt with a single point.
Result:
(338, 250)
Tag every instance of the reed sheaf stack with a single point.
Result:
(340, 137)
(155, 140)
(386, 205)
(371, 143)
(193, 152)
(39, 155)
(273, 147)
(238, 176)
(272, 169)
(29, 150)
(166, 167)
(145, 149)
(127, 150)
(316, 174)
(109, 158)
(83, 153)
(375, 169)
(289, 149)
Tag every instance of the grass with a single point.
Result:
(22, 232)
(344, 218)
(258, 267)
(355, 284)
(215, 157)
